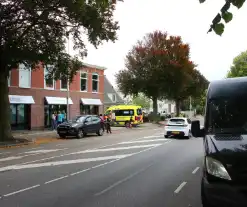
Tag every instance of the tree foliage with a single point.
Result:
(159, 66)
(218, 25)
(34, 31)
(239, 66)
(141, 100)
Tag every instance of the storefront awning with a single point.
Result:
(14, 99)
(57, 100)
(91, 101)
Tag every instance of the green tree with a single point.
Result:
(141, 100)
(36, 31)
(239, 66)
(157, 66)
(217, 25)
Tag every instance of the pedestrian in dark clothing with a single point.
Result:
(102, 122)
(108, 125)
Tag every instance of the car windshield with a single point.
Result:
(228, 115)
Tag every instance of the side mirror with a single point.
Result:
(196, 129)
(86, 121)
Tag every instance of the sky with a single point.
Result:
(187, 18)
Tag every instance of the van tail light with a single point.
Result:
(136, 118)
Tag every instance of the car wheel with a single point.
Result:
(62, 136)
(100, 132)
(80, 134)
(166, 136)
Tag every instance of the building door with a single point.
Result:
(20, 116)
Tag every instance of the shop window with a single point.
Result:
(95, 82)
(24, 76)
(49, 82)
(63, 83)
(83, 81)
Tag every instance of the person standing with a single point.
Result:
(102, 122)
(108, 125)
(53, 121)
(59, 117)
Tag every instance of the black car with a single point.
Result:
(224, 179)
(80, 126)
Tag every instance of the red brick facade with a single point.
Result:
(38, 92)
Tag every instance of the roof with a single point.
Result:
(94, 66)
(228, 87)
(109, 89)
(124, 107)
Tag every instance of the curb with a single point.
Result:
(15, 145)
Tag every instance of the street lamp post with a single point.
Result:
(68, 94)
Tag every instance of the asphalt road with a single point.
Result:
(135, 167)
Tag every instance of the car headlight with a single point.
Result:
(215, 168)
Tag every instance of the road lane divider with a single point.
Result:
(22, 190)
(195, 170)
(179, 188)
(56, 179)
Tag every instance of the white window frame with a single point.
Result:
(48, 88)
(82, 72)
(97, 82)
(64, 89)
(9, 79)
(30, 75)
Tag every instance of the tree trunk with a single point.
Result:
(177, 107)
(5, 129)
(155, 105)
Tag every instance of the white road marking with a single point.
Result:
(10, 158)
(180, 187)
(143, 141)
(3, 153)
(63, 162)
(116, 148)
(51, 181)
(22, 190)
(195, 170)
(148, 137)
(60, 145)
(123, 180)
(29, 153)
(43, 151)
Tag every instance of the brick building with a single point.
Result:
(33, 98)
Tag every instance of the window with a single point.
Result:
(63, 84)
(9, 79)
(177, 121)
(124, 112)
(139, 111)
(89, 120)
(95, 82)
(114, 97)
(49, 82)
(227, 115)
(24, 76)
(95, 119)
(83, 81)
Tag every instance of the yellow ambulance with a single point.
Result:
(122, 114)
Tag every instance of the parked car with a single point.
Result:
(80, 126)
(178, 126)
(224, 177)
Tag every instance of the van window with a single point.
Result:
(227, 115)
(126, 112)
(139, 111)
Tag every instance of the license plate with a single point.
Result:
(175, 132)
(62, 132)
